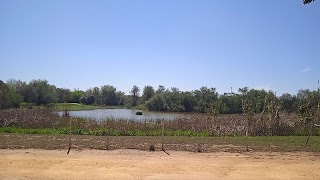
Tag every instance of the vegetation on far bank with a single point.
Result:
(79, 107)
(69, 106)
(204, 99)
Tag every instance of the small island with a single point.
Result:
(139, 113)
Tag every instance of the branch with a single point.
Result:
(165, 152)
(307, 1)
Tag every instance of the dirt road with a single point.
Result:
(135, 164)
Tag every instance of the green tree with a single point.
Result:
(157, 103)
(161, 89)
(8, 97)
(230, 104)
(255, 97)
(135, 95)
(63, 95)
(20, 87)
(88, 92)
(206, 97)
(121, 98)
(174, 100)
(40, 92)
(109, 95)
(76, 95)
(97, 94)
(188, 101)
(288, 102)
(148, 92)
(90, 100)
(83, 100)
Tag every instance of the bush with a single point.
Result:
(139, 113)
(151, 147)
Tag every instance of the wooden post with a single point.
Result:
(162, 122)
(69, 137)
(145, 123)
(309, 134)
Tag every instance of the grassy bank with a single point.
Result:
(80, 107)
(73, 106)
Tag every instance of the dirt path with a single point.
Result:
(135, 164)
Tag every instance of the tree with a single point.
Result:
(109, 95)
(19, 87)
(174, 100)
(97, 95)
(8, 97)
(188, 101)
(135, 95)
(83, 100)
(40, 92)
(148, 92)
(88, 92)
(254, 97)
(63, 95)
(157, 103)
(287, 102)
(121, 98)
(16, 85)
(230, 104)
(90, 100)
(160, 89)
(76, 95)
(205, 97)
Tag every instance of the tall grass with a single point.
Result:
(183, 125)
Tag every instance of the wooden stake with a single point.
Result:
(162, 122)
(309, 134)
(69, 137)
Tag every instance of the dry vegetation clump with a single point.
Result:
(236, 125)
(31, 118)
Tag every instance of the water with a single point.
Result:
(102, 114)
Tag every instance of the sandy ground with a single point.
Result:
(135, 164)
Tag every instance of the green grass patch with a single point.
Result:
(264, 143)
(74, 106)
(102, 132)
(80, 107)
(31, 131)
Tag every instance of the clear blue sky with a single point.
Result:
(187, 44)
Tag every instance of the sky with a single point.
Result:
(271, 45)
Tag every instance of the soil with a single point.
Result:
(171, 143)
(92, 157)
(137, 164)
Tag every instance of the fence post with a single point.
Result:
(162, 133)
(70, 119)
(162, 122)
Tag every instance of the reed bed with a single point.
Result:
(183, 125)
(31, 118)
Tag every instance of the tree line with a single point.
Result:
(205, 100)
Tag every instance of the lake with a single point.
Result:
(102, 114)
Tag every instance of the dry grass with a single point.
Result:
(184, 125)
